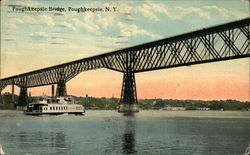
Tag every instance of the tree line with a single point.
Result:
(147, 104)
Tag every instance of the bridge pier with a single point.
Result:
(13, 93)
(1, 98)
(61, 89)
(23, 97)
(128, 102)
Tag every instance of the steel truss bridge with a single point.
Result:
(218, 43)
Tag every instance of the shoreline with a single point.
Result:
(147, 110)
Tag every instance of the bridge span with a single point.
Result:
(218, 43)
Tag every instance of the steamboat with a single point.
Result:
(54, 106)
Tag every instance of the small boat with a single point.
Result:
(1, 150)
(54, 106)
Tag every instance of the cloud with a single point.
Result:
(46, 20)
(30, 20)
(125, 7)
(132, 30)
(68, 25)
(222, 11)
(88, 26)
(14, 22)
(153, 11)
(11, 25)
(226, 13)
(108, 20)
(147, 12)
(42, 19)
(39, 34)
(105, 21)
(185, 11)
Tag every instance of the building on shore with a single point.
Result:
(174, 108)
(203, 109)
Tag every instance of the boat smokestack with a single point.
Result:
(53, 90)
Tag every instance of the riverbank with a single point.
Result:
(7, 106)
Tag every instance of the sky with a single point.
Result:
(33, 40)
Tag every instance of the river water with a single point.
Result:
(109, 132)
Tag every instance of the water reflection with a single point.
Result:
(129, 114)
(33, 142)
(129, 141)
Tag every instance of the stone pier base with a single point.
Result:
(128, 108)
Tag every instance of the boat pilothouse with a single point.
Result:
(56, 106)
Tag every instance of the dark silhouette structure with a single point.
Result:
(218, 43)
